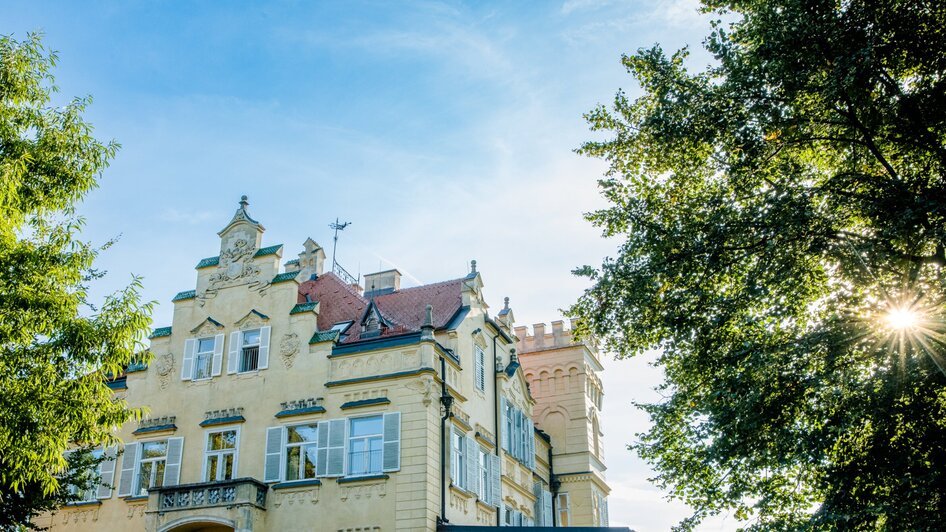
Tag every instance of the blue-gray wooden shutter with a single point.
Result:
(472, 464)
(217, 364)
(233, 356)
(547, 508)
(537, 507)
(321, 463)
(272, 462)
(479, 368)
(391, 446)
(504, 437)
(107, 474)
(172, 465)
(337, 440)
(496, 488)
(264, 347)
(129, 463)
(187, 364)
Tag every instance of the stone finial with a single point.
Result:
(506, 303)
(513, 358)
(243, 202)
(427, 329)
(473, 266)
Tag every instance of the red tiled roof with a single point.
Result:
(403, 309)
(338, 301)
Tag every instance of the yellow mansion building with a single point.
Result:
(286, 397)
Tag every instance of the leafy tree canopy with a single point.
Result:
(783, 216)
(56, 349)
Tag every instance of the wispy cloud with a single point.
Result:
(190, 218)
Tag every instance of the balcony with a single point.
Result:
(219, 498)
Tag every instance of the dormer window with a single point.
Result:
(249, 357)
(372, 323)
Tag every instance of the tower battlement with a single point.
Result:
(543, 337)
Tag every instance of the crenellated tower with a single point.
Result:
(564, 378)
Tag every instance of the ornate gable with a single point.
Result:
(208, 327)
(254, 319)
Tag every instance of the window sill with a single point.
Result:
(462, 492)
(289, 484)
(485, 505)
(136, 498)
(79, 504)
(364, 478)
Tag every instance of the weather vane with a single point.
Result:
(337, 227)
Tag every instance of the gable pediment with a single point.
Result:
(207, 327)
(253, 319)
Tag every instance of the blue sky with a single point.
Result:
(442, 130)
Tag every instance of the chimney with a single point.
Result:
(378, 284)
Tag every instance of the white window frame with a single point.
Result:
(303, 445)
(137, 490)
(379, 437)
(243, 347)
(91, 493)
(220, 454)
(458, 465)
(562, 504)
(483, 472)
(209, 358)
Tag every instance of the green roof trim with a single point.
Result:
(304, 307)
(293, 261)
(208, 262)
(323, 336)
(137, 364)
(283, 277)
(160, 332)
(262, 252)
(181, 296)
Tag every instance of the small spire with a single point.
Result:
(506, 303)
(473, 266)
(513, 359)
(243, 202)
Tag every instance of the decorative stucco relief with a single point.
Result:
(289, 348)
(365, 491)
(425, 387)
(290, 498)
(374, 364)
(484, 516)
(136, 511)
(164, 366)
(365, 395)
(80, 516)
(236, 268)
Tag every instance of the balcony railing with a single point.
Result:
(239, 491)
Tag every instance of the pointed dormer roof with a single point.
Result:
(242, 216)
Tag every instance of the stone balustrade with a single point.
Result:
(240, 491)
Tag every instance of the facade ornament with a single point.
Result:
(164, 367)
(289, 348)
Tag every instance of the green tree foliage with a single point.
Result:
(783, 216)
(56, 349)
